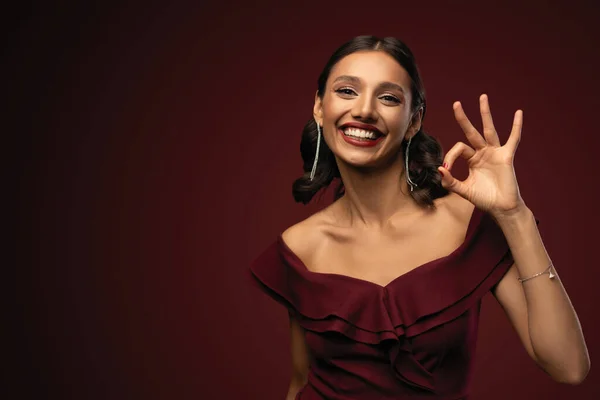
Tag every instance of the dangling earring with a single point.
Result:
(314, 167)
(410, 182)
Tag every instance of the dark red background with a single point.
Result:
(155, 152)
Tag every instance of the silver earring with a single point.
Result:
(314, 167)
(410, 182)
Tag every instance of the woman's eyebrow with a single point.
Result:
(391, 85)
(348, 78)
(383, 85)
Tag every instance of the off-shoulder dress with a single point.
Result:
(413, 338)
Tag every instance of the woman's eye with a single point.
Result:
(392, 99)
(345, 91)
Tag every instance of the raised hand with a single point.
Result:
(492, 183)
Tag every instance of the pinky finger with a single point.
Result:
(515, 133)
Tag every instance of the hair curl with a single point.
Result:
(425, 153)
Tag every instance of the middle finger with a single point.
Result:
(471, 133)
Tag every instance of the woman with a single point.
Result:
(383, 286)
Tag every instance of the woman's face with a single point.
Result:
(366, 109)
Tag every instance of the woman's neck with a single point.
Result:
(373, 197)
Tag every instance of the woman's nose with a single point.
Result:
(364, 108)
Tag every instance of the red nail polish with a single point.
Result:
(445, 165)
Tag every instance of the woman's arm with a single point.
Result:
(300, 359)
(540, 309)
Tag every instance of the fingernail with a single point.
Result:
(445, 165)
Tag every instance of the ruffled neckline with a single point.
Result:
(294, 260)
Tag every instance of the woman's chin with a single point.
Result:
(361, 162)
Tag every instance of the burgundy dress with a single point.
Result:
(411, 339)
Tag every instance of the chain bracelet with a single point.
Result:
(546, 271)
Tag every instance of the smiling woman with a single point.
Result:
(364, 53)
(384, 286)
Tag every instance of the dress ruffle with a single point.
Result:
(424, 298)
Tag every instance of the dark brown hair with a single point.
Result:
(425, 153)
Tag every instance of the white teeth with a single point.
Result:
(360, 133)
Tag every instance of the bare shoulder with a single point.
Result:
(458, 208)
(305, 237)
(301, 236)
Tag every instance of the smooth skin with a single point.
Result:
(376, 232)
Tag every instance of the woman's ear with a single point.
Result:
(415, 123)
(318, 109)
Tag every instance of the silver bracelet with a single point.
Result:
(546, 271)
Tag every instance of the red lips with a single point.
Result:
(361, 142)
